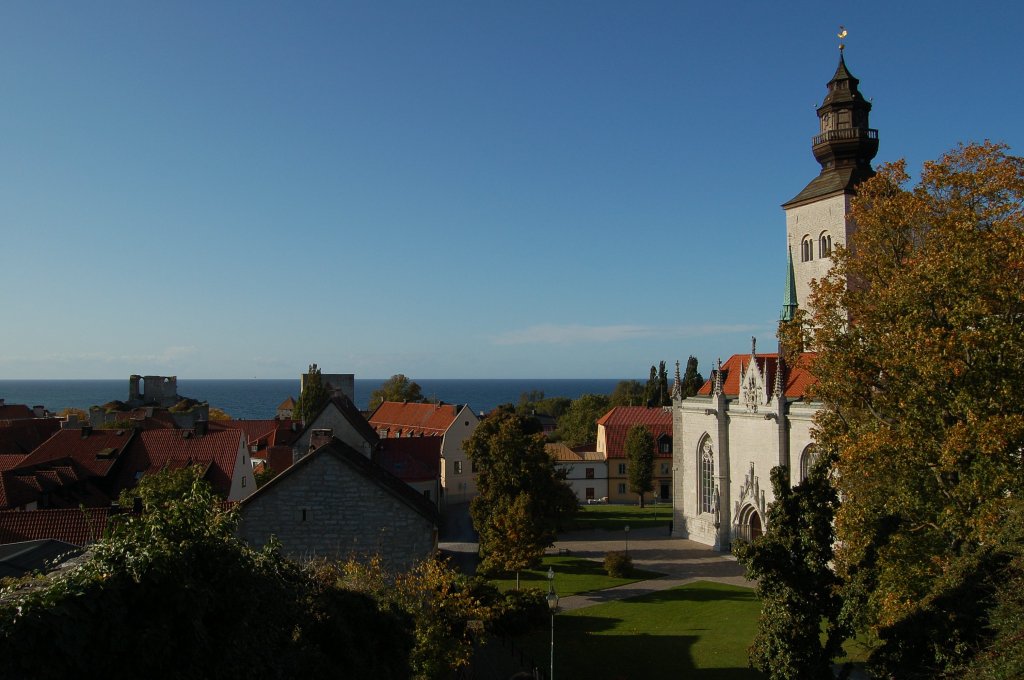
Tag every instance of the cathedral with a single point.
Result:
(752, 413)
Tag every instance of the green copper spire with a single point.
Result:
(789, 299)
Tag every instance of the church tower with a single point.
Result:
(817, 219)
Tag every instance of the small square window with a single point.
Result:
(458, 467)
(622, 488)
(622, 468)
(590, 473)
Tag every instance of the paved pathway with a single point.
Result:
(681, 561)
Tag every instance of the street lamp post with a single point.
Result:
(627, 540)
(552, 598)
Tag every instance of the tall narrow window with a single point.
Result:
(806, 249)
(807, 460)
(706, 477)
(824, 245)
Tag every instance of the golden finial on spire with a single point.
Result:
(842, 36)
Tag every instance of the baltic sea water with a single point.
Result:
(259, 398)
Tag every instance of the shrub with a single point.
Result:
(618, 564)
(518, 611)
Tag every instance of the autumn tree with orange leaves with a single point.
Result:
(919, 330)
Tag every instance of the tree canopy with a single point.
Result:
(313, 397)
(798, 589)
(578, 425)
(919, 329)
(640, 455)
(523, 498)
(656, 391)
(396, 388)
(627, 393)
(171, 593)
(692, 379)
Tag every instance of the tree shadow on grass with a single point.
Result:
(701, 591)
(581, 651)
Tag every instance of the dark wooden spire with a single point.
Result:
(845, 143)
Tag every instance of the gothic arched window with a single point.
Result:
(807, 460)
(706, 476)
(824, 245)
(806, 249)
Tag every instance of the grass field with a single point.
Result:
(572, 575)
(700, 630)
(617, 517)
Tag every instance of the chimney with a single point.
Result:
(39, 411)
(320, 437)
(202, 426)
(86, 431)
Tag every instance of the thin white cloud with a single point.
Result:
(567, 334)
(167, 355)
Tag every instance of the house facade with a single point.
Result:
(454, 423)
(586, 472)
(612, 428)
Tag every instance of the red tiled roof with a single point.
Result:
(16, 412)
(411, 459)
(71, 525)
(10, 460)
(23, 436)
(279, 458)
(156, 450)
(419, 419)
(56, 483)
(259, 432)
(83, 446)
(798, 379)
(618, 421)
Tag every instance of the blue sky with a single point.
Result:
(442, 189)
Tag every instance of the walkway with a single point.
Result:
(681, 561)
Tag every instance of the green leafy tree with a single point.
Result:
(171, 593)
(640, 456)
(656, 391)
(796, 584)
(523, 498)
(919, 330)
(440, 601)
(627, 393)
(313, 397)
(692, 379)
(578, 425)
(396, 388)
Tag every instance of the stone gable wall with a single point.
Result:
(328, 510)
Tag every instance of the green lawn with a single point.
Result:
(572, 575)
(617, 517)
(700, 630)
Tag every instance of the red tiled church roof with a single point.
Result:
(618, 421)
(798, 379)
